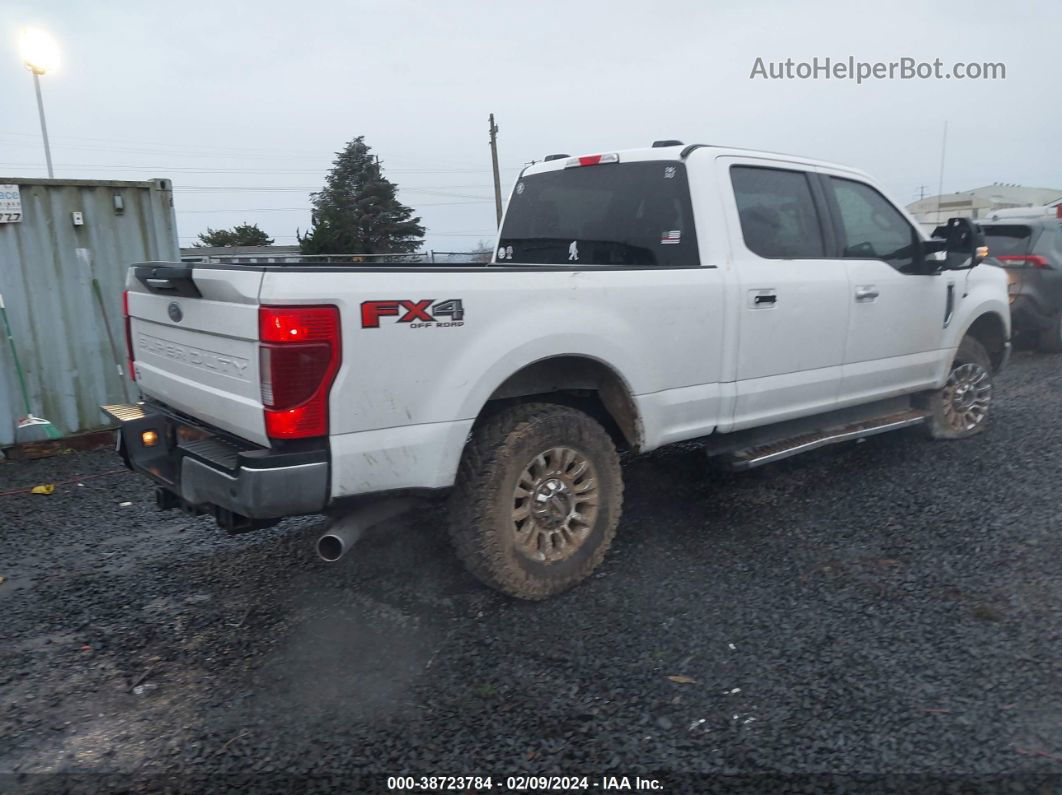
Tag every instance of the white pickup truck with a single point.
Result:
(760, 303)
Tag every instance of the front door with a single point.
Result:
(897, 309)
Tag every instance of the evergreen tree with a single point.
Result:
(357, 213)
(239, 235)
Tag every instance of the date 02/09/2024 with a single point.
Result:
(520, 783)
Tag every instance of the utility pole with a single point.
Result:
(494, 163)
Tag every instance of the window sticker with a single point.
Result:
(669, 172)
(573, 251)
(672, 238)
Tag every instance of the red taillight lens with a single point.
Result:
(128, 336)
(1025, 260)
(297, 323)
(298, 360)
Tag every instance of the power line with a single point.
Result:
(162, 145)
(491, 233)
(250, 210)
(309, 209)
(304, 189)
(243, 152)
(435, 190)
(271, 171)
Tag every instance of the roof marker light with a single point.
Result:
(592, 160)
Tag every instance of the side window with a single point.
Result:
(871, 227)
(779, 219)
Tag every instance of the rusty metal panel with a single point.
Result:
(47, 264)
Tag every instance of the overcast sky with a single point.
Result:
(242, 105)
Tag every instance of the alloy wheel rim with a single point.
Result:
(555, 505)
(967, 396)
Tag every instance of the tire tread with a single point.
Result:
(472, 524)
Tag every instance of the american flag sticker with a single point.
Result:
(674, 237)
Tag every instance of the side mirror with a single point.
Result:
(962, 240)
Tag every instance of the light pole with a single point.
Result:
(40, 53)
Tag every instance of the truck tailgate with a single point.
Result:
(195, 344)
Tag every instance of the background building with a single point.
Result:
(977, 203)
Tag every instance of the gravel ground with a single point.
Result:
(885, 607)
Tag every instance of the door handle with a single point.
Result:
(762, 299)
(866, 294)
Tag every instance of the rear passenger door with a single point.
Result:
(793, 307)
(898, 306)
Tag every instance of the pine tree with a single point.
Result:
(239, 235)
(357, 212)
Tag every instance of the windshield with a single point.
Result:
(1008, 240)
(635, 214)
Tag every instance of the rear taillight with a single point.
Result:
(128, 335)
(299, 357)
(1024, 261)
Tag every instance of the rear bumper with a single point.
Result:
(208, 471)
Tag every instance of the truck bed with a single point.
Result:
(409, 388)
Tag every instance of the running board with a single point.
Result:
(769, 453)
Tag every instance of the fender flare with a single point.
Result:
(613, 390)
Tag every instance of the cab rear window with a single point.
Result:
(621, 214)
(1005, 240)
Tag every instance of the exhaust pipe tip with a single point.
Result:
(331, 548)
(345, 531)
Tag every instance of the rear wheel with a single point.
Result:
(961, 408)
(537, 499)
(1051, 337)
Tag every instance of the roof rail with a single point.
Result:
(689, 149)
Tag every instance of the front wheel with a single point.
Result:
(961, 408)
(537, 499)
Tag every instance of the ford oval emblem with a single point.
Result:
(175, 313)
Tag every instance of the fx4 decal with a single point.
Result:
(418, 314)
